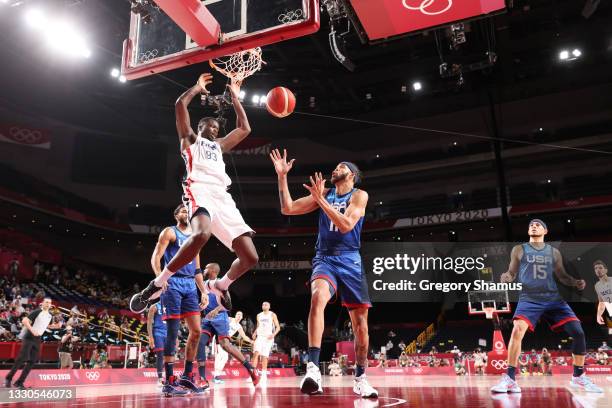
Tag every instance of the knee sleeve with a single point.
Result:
(172, 327)
(202, 347)
(574, 329)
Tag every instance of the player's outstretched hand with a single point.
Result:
(280, 162)
(506, 278)
(580, 284)
(600, 319)
(234, 89)
(204, 80)
(316, 187)
(203, 301)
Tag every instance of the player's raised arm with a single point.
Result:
(243, 128)
(356, 209)
(300, 206)
(562, 275)
(515, 261)
(165, 237)
(183, 123)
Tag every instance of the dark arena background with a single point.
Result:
(473, 123)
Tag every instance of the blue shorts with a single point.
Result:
(181, 299)
(345, 276)
(555, 313)
(219, 326)
(159, 339)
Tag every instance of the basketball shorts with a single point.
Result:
(219, 326)
(227, 223)
(263, 346)
(345, 276)
(159, 339)
(555, 313)
(181, 299)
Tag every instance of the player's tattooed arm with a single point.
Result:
(243, 128)
(183, 122)
(562, 274)
(515, 260)
(165, 237)
(150, 317)
(300, 206)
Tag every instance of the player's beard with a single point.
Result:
(339, 178)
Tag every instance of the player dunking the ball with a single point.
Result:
(535, 263)
(210, 206)
(337, 265)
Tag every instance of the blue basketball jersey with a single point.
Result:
(187, 271)
(536, 273)
(158, 324)
(330, 239)
(213, 302)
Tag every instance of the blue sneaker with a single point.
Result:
(583, 382)
(172, 389)
(218, 380)
(189, 383)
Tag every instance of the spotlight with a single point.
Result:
(115, 72)
(576, 53)
(255, 99)
(242, 95)
(417, 86)
(35, 18)
(263, 99)
(122, 79)
(564, 55)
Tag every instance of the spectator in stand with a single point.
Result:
(103, 315)
(460, 366)
(534, 367)
(403, 359)
(602, 357)
(525, 363)
(480, 361)
(546, 362)
(604, 346)
(561, 361)
(382, 360)
(455, 350)
(6, 335)
(335, 370)
(99, 358)
(66, 348)
(402, 346)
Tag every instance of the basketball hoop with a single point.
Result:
(240, 65)
(489, 311)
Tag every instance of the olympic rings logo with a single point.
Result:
(291, 16)
(148, 55)
(92, 375)
(417, 370)
(499, 364)
(25, 135)
(425, 5)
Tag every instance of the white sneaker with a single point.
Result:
(362, 388)
(583, 382)
(506, 384)
(311, 383)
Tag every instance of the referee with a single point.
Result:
(34, 325)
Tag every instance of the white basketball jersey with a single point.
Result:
(204, 163)
(604, 291)
(233, 327)
(265, 324)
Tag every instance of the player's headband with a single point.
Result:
(542, 223)
(354, 169)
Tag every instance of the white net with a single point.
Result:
(240, 65)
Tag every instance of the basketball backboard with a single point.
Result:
(488, 301)
(157, 44)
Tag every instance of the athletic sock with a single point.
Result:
(313, 355)
(578, 371)
(224, 282)
(359, 371)
(169, 370)
(247, 364)
(188, 368)
(512, 372)
(162, 277)
(202, 372)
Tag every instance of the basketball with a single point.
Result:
(280, 102)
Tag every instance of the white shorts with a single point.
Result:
(263, 346)
(227, 223)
